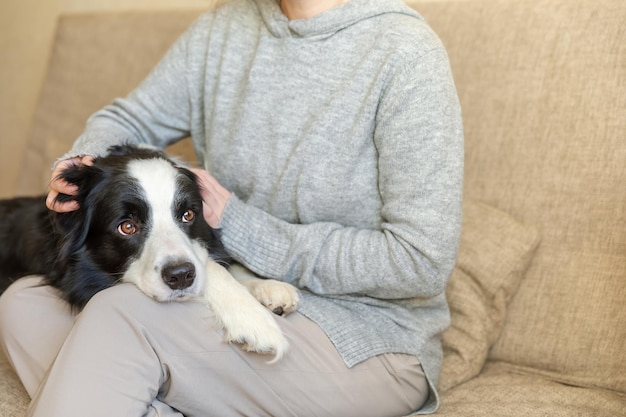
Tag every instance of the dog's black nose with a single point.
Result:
(179, 276)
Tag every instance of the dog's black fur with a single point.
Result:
(80, 253)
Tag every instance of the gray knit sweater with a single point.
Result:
(341, 139)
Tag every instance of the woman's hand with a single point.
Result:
(214, 197)
(60, 186)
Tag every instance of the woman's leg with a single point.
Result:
(127, 353)
(34, 322)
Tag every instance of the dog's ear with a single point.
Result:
(73, 227)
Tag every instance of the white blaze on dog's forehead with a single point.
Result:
(157, 177)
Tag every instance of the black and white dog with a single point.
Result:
(140, 221)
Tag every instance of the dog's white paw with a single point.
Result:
(240, 315)
(255, 328)
(279, 297)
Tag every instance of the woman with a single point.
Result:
(332, 134)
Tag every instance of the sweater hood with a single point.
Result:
(329, 22)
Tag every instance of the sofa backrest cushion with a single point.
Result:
(95, 58)
(542, 85)
(494, 254)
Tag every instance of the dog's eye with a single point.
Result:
(188, 216)
(127, 228)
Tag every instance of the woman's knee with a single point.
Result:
(126, 312)
(19, 305)
(118, 301)
(34, 322)
(18, 287)
(125, 304)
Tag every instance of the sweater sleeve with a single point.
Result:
(157, 112)
(419, 141)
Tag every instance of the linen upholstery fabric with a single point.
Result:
(495, 252)
(13, 396)
(504, 390)
(543, 90)
(542, 84)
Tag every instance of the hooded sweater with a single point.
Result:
(340, 138)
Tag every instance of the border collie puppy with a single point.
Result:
(140, 221)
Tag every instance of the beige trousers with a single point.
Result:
(127, 355)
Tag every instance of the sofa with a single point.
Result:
(538, 296)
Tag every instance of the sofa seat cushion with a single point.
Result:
(506, 390)
(13, 397)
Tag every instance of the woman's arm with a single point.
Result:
(157, 112)
(420, 145)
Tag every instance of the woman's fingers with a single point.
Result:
(60, 207)
(214, 197)
(59, 186)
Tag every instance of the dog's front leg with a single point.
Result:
(243, 319)
(279, 297)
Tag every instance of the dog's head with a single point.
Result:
(140, 220)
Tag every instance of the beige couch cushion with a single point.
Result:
(495, 252)
(13, 396)
(542, 84)
(504, 390)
